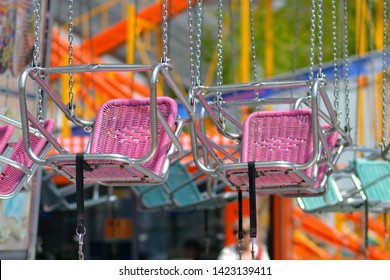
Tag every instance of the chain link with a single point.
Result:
(312, 39)
(198, 41)
(384, 74)
(71, 104)
(219, 100)
(320, 36)
(36, 53)
(335, 60)
(348, 127)
(164, 58)
(191, 43)
(253, 47)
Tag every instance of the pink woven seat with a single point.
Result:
(123, 127)
(278, 136)
(5, 135)
(11, 178)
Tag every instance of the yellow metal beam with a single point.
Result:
(269, 39)
(245, 41)
(130, 42)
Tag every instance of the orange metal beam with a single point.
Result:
(116, 35)
(116, 86)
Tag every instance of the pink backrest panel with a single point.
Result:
(5, 135)
(123, 127)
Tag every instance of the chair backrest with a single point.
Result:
(123, 127)
(183, 195)
(5, 135)
(375, 178)
(10, 176)
(153, 197)
(277, 135)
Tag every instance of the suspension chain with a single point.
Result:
(348, 127)
(320, 36)
(253, 46)
(253, 43)
(71, 104)
(312, 39)
(164, 58)
(219, 99)
(335, 59)
(198, 41)
(384, 74)
(36, 54)
(191, 43)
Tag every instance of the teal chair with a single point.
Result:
(55, 198)
(152, 198)
(341, 196)
(374, 176)
(184, 191)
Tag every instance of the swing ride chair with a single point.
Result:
(63, 198)
(336, 198)
(181, 191)
(374, 182)
(16, 168)
(130, 142)
(292, 150)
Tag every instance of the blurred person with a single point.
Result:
(231, 252)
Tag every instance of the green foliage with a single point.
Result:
(287, 47)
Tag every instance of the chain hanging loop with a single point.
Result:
(71, 104)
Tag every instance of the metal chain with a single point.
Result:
(253, 47)
(219, 99)
(384, 75)
(36, 54)
(164, 31)
(335, 60)
(253, 44)
(312, 39)
(320, 36)
(71, 104)
(198, 41)
(191, 43)
(348, 127)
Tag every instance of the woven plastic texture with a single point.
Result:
(123, 127)
(11, 176)
(279, 135)
(187, 195)
(378, 173)
(274, 136)
(5, 135)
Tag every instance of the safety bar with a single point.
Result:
(36, 74)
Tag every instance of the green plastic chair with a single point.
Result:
(374, 176)
(340, 197)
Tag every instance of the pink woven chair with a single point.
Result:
(123, 127)
(5, 135)
(278, 136)
(12, 179)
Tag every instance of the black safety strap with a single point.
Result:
(80, 191)
(80, 230)
(240, 231)
(252, 199)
